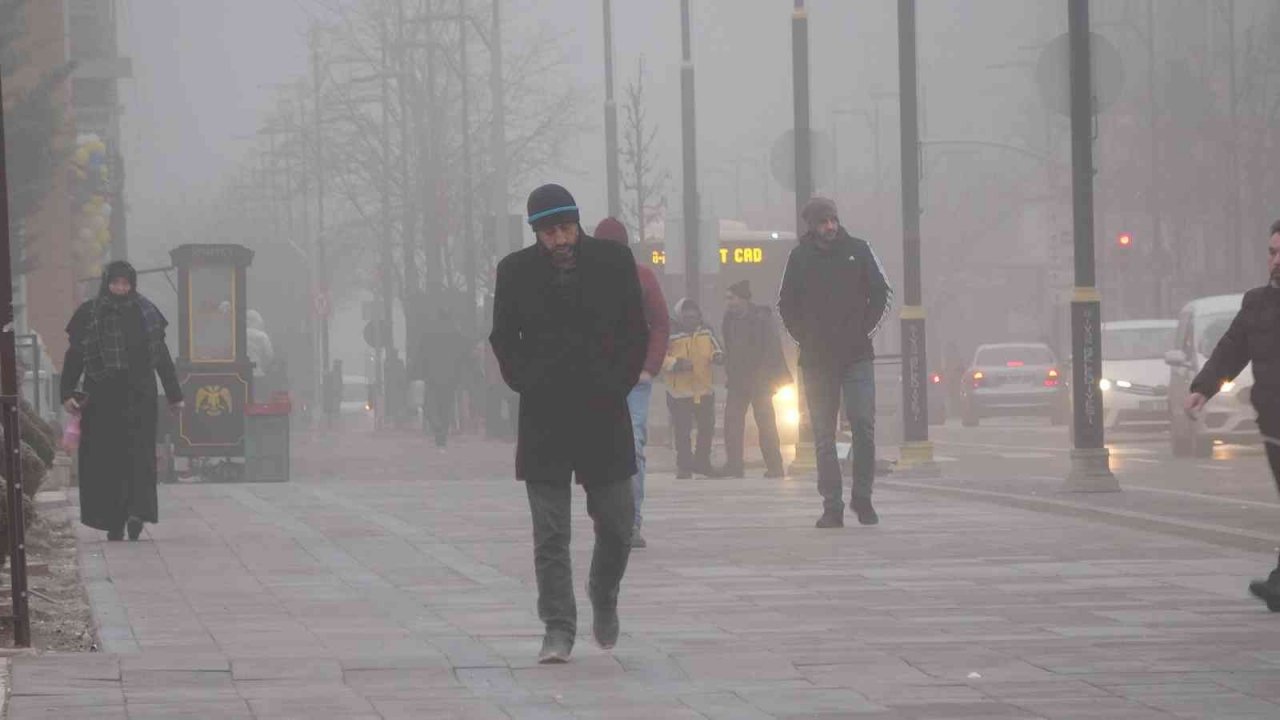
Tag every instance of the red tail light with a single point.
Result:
(1052, 379)
(936, 379)
(1014, 363)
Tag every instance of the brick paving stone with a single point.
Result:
(387, 580)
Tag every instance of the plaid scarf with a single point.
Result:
(103, 345)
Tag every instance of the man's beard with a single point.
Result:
(562, 257)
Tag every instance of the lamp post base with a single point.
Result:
(915, 460)
(1091, 472)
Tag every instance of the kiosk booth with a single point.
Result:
(213, 367)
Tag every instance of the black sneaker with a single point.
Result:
(773, 474)
(605, 627)
(830, 520)
(1267, 592)
(866, 514)
(115, 535)
(555, 649)
(135, 528)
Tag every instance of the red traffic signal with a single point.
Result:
(1124, 240)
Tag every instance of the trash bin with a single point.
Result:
(266, 441)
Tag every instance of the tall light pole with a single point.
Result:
(916, 453)
(611, 116)
(1090, 461)
(320, 300)
(800, 102)
(468, 240)
(692, 279)
(498, 130)
(385, 335)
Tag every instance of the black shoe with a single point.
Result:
(135, 528)
(831, 520)
(115, 535)
(1268, 592)
(555, 649)
(866, 514)
(605, 627)
(773, 474)
(684, 475)
(735, 473)
(708, 471)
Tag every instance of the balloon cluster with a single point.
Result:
(93, 216)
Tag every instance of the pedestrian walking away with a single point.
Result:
(570, 336)
(1252, 337)
(833, 299)
(116, 349)
(655, 316)
(691, 398)
(754, 369)
(440, 363)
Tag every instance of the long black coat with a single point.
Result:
(573, 360)
(118, 426)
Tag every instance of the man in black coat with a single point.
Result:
(569, 334)
(833, 298)
(754, 370)
(1254, 336)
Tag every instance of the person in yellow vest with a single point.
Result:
(691, 399)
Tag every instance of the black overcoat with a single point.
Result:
(118, 425)
(572, 361)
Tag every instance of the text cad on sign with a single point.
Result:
(728, 256)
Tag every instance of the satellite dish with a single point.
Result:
(1053, 73)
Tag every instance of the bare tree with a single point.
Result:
(642, 177)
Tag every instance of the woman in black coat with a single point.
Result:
(117, 346)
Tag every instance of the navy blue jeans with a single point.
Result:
(823, 391)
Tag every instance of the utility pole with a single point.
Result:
(9, 397)
(1237, 252)
(385, 335)
(692, 279)
(320, 301)
(409, 206)
(1090, 460)
(498, 134)
(800, 89)
(468, 240)
(611, 116)
(917, 451)
(1162, 271)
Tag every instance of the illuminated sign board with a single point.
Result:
(742, 255)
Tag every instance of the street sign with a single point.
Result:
(1053, 73)
(320, 304)
(375, 334)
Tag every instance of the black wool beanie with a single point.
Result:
(550, 205)
(742, 289)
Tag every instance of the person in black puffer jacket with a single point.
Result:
(833, 299)
(1254, 336)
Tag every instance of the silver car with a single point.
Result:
(1014, 379)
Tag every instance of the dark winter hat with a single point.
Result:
(742, 289)
(610, 229)
(817, 210)
(118, 269)
(550, 205)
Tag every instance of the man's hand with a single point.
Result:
(1194, 404)
(645, 376)
(72, 406)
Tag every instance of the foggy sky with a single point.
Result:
(203, 72)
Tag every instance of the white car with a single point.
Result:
(357, 396)
(1135, 377)
(1229, 417)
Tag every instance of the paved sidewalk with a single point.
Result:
(391, 581)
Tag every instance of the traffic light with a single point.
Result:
(1124, 240)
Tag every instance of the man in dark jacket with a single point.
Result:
(570, 337)
(834, 297)
(1254, 336)
(754, 370)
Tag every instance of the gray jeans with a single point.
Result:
(612, 509)
(823, 390)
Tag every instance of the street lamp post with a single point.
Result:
(916, 453)
(692, 278)
(1090, 461)
(611, 117)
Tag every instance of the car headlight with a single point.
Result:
(1104, 384)
(787, 394)
(788, 401)
(1228, 386)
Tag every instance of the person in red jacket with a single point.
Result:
(655, 314)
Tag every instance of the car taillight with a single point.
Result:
(1051, 380)
(977, 378)
(936, 379)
